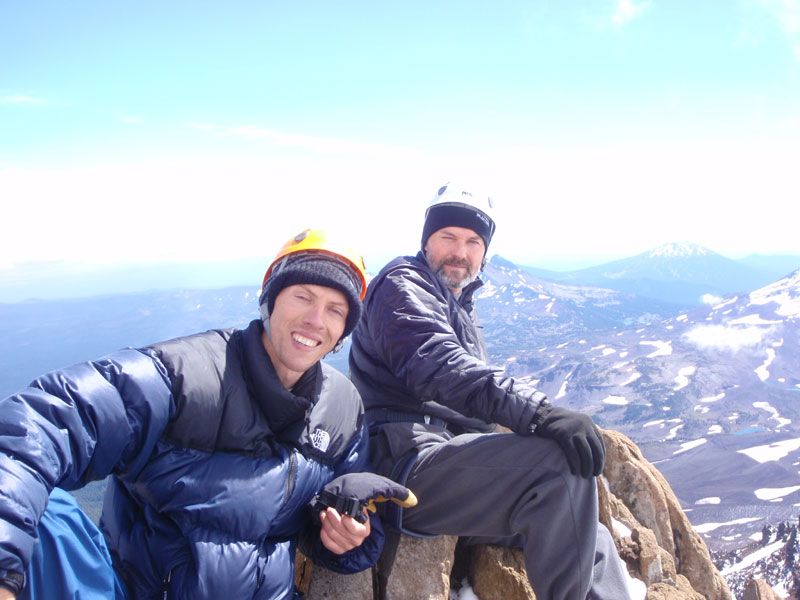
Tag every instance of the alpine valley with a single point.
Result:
(694, 356)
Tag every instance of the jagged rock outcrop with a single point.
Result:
(759, 589)
(653, 536)
(650, 505)
(499, 574)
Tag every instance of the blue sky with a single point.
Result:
(208, 131)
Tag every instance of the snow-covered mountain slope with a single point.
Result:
(712, 396)
(678, 272)
(522, 307)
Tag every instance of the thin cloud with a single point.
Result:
(787, 15)
(20, 99)
(720, 337)
(321, 145)
(627, 11)
(710, 299)
(131, 120)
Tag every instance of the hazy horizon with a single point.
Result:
(53, 279)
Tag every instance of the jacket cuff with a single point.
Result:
(542, 411)
(13, 580)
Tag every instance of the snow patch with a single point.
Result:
(713, 398)
(686, 446)
(770, 409)
(682, 380)
(762, 372)
(662, 348)
(706, 527)
(752, 320)
(726, 303)
(615, 400)
(714, 429)
(634, 376)
(620, 528)
(674, 432)
(783, 293)
(465, 592)
(773, 451)
(709, 500)
(775, 493)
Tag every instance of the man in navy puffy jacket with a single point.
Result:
(226, 450)
(432, 400)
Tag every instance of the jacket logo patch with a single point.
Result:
(320, 440)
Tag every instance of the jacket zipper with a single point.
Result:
(290, 476)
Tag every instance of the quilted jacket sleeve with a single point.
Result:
(70, 427)
(408, 321)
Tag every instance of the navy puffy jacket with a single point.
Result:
(213, 463)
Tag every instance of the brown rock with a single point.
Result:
(655, 563)
(652, 504)
(686, 588)
(680, 589)
(421, 569)
(632, 480)
(758, 589)
(328, 585)
(663, 591)
(498, 573)
(302, 572)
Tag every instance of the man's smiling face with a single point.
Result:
(305, 324)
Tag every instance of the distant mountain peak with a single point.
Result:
(679, 250)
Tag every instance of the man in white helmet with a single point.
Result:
(419, 362)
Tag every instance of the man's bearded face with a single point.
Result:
(455, 254)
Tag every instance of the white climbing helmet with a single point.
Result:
(457, 206)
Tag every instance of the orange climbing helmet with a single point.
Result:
(316, 257)
(320, 241)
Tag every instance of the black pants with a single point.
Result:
(501, 488)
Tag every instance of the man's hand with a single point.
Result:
(579, 438)
(340, 534)
(6, 594)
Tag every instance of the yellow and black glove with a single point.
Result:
(350, 494)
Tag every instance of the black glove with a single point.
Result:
(350, 494)
(578, 436)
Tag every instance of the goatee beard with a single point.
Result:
(451, 282)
